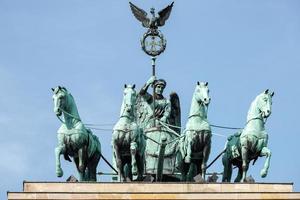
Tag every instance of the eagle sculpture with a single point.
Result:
(155, 21)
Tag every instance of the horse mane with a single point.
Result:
(122, 108)
(71, 103)
(251, 112)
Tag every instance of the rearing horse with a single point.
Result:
(74, 139)
(195, 146)
(127, 141)
(251, 142)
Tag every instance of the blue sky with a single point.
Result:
(92, 47)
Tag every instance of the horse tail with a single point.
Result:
(94, 145)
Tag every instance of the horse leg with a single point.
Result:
(239, 175)
(121, 173)
(181, 167)
(127, 172)
(82, 156)
(206, 152)
(119, 164)
(140, 166)
(184, 170)
(92, 167)
(60, 149)
(188, 155)
(192, 172)
(265, 152)
(227, 172)
(117, 153)
(245, 163)
(133, 147)
(81, 174)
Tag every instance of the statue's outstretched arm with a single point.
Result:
(144, 89)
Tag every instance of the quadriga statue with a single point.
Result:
(127, 142)
(251, 142)
(74, 139)
(195, 145)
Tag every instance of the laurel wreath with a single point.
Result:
(153, 33)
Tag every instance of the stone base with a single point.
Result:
(58, 190)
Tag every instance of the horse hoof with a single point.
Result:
(59, 172)
(134, 172)
(81, 168)
(119, 164)
(187, 160)
(134, 169)
(263, 173)
(128, 179)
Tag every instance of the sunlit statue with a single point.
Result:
(158, 118)
(127, 142)
(195, 146)
(74, 139)
(162, 108)
(251, 142)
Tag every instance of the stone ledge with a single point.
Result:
(155, 187)
(141, 196)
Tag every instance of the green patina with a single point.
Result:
(147, 139)
(153, 111)
(195, 146)
(127, 141)
(74, 139)
(251, 142)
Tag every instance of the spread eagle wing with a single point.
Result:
(175, 116)
(140, 15)
(164, 14)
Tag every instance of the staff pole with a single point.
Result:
(153, 95)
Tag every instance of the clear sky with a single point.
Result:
(92, 47)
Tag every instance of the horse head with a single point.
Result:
(202, 93)
(129, 100)
(59, 99)
(264, 103)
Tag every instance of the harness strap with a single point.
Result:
(60, 119)
(196, 130)
(171, 130)
(124, 131)
(264, 136)
(69, 114)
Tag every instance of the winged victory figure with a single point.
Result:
(155, 21)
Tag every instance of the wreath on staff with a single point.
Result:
(153, 35)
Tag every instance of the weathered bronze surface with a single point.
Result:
(153, 42)
(147, 140)
(251, 142)
(196, 144)
(74, 139)
(127, 141)
(154, 114)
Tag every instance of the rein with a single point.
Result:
(197, 115)
(69, 114)
(257, 117)
(60, 119)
